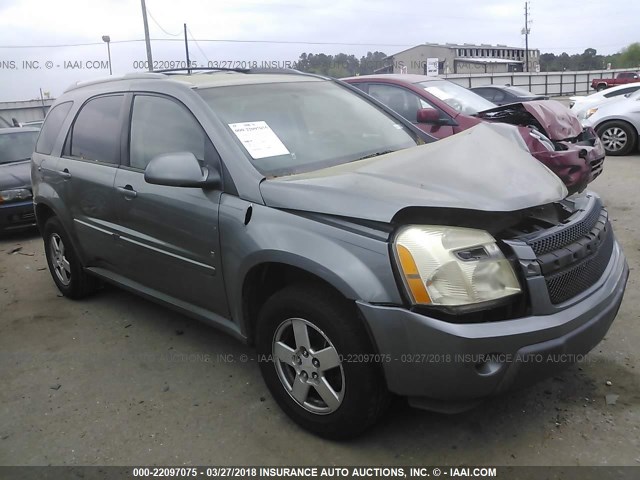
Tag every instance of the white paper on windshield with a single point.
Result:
(259, 140)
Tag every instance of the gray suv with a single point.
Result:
(302, 216)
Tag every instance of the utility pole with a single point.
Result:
(186, 47)
(44, 110)
(146, 35)
(526, 35)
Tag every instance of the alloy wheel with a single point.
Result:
(59, 262)
(614, 139)
(308, 366)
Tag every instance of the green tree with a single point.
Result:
(630, 56)
(372, 62)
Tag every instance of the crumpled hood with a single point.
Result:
(477, 169)
(15, 175)
(554, 119)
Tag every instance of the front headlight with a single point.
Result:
(452, 266)
(15, 195)
(590, 112)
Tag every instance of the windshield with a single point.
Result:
(16, 146)
(463, 100)
(297, 127)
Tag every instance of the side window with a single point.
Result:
(488, 93)
(160, 125)
(95, 134)
(622, 91)
(360, 86)
(402, 101)
(51, 127)
(498, 95)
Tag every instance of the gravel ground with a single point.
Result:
(118, 380)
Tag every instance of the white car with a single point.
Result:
(617, 122)
(581, 103)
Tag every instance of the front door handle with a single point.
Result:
(65, 174)
(128, 192)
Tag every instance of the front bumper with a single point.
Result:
(442, 365)
(16, 216)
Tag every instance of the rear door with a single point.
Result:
(87, 170)
(169, 235)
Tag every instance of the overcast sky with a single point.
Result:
(388, 26)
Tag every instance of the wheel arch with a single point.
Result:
(606, 120)
(265, 278)
(44, 211)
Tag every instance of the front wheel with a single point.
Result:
(618, 138)
(316, 359)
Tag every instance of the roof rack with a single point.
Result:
(201, 69)
(171, 71)
(126, 76)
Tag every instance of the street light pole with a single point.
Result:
(107, 40)
(146, 35)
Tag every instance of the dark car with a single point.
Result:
(505, 94)
(552, 133)
(16, 204)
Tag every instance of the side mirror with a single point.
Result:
(181, 169)
(428, 115)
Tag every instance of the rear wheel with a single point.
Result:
(317, 368)
(618, 138)
(64, 265)
(600, 87)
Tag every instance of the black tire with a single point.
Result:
(601, 87)
(79, 284)
(618, 138)
(364, 394)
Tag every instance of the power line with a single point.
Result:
(218, 40)
(198, 45)
(287, 42)
(160, 26)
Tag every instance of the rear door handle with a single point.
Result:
(65, 174)
(128, 192)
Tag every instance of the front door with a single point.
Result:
(169, 234)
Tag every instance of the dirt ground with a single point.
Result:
(118, 380)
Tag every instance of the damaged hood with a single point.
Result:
(551, 117)
(477, 169)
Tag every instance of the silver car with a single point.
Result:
(301, 216)
(617, 122)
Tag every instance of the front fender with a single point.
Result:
(356, 265)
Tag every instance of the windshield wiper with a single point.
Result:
(377, 154)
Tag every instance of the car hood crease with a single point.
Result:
(478, 169)
(556, 120)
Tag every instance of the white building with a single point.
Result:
(462, 58)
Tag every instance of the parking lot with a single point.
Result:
(118, 380)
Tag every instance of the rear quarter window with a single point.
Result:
(51, 127)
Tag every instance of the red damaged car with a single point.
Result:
(551, 132)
